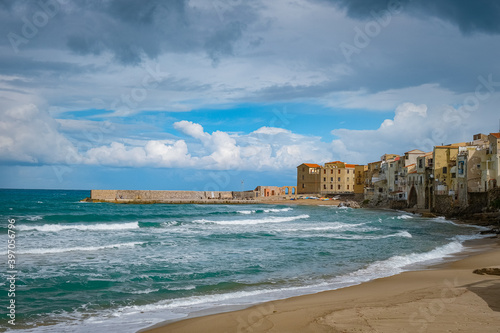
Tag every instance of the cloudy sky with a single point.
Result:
(202, 94)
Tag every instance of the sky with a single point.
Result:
(232, 94)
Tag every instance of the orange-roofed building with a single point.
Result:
(308, 178)
(333, 178)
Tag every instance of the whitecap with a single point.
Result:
(34, 218)
(78, 248)
(246, 212)
(278, 210)
(81, 227)
(256, 221)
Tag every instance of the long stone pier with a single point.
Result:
(172, 197)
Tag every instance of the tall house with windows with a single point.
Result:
(359, 178)
(332, 178)
(337, 177)
(308, 178)
(491, 173)
(445, 171)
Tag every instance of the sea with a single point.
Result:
(104, 267)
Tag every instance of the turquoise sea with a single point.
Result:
(99, 267)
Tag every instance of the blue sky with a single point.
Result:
(192, 94)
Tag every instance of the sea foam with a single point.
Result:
(78, 248)
(256, 221)
(81, 227)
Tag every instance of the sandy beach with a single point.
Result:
(444, 298)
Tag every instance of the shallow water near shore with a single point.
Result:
(95, 267)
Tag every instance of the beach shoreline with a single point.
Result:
(448, 296)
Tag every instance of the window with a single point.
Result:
(347, 170)
(331, 171)
(339, 187)
(331, 179)
(324, 187)
(339, 171)
(338, 179)
(347, 178)
(445, 169)
(347, 186)
(302, 177)
(303, 185)
(324, 179)
(331, 187)
(324, 171)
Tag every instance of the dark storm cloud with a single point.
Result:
(130, 30)
(469, 16)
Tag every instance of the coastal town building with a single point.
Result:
(445, 160)
(450, 176)
(359, 178)
(332, 178)
(308, 178)
(337, 177)
(372, 175)
(491, 174)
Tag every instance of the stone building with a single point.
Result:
(491, 169)
(332, 178)
(359, 178)
(308, 178)
(337, 177)
(445, 159)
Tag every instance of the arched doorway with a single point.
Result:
(412, 199)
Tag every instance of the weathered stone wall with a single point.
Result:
(103, 194)
(444, 205)
(397, 204)
(166, 196)
(244, 195)
(477, 201)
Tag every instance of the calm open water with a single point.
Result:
(99, 267)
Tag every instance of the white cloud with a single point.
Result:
(413, 127)
(31, 135)
(34, 137)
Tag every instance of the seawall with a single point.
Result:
(174, 197)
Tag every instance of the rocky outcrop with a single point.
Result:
(488, 271)
(350, 204)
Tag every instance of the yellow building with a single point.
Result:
(359, 176)
(332, 178)
(445, 159)
(337, 177)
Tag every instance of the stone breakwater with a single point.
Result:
(175, 197)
